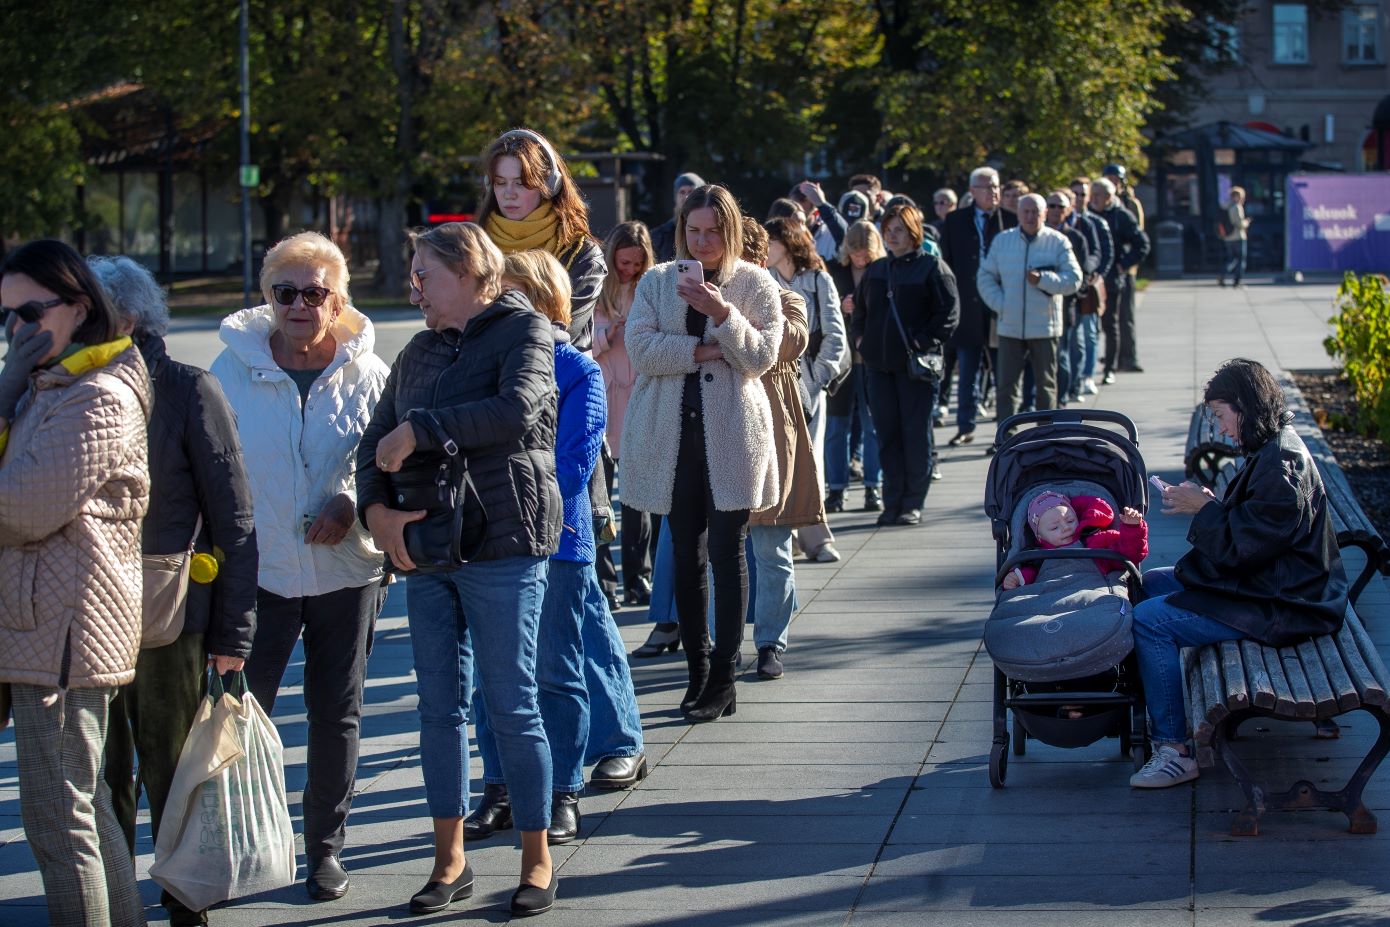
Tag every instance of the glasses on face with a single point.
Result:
(29, 312)
(985, 186)
(1056, 206)
(941, 202)
(314, 296)
(417, 279)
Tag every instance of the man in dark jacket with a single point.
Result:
(1069, 348)
(1131, 247)
(664, 235)
(197, 484)
(966, 236)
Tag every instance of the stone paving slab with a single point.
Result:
(853, 793)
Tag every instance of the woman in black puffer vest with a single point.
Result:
(480, 383)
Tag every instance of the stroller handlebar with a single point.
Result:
(1066, 417)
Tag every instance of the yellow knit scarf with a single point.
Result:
(538, 230)
(77, 363)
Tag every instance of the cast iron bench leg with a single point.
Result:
(1247, 822)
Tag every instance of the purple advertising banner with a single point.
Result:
(1338, 222)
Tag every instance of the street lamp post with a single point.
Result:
(248, 179)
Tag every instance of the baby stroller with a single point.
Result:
(1063, 653)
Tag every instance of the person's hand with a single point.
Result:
(615, 332)
(1130, 516)
(1186, 498)
(704, 353)
(812, 191)
(1034, 276)
(705, 299)
(334, 522)
(858, 341)
(28, 346)
(847, 305)
(1012, 581)
(223, 665)
(392, 450)
(388, 532)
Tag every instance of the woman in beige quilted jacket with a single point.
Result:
(74, 485)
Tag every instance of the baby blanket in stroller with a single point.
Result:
(1071, 621)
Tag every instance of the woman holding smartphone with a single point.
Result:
(703, 329)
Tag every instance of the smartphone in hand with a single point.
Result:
(1158, 483)
(690, 271)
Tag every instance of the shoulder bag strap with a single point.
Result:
(893, 310)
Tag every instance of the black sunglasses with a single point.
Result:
(29, 312)
(314, 296)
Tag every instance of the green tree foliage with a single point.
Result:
(1360, 339)
(1043, 88)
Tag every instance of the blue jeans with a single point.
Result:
(1090, 338)
(615, 724)
(1160, 631)
(1235, 260)
(775, 585)
(493, 607)
(564, 699)
(1069, 356)
(967, 372)
(839, 443)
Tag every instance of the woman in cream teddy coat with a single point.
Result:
(696, 436)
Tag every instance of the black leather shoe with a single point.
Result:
(436, 896)
(658, 642)
(886, 519)
(769, 663)
(962, 437)
(835, 501)
(493, 813)
(873, 502)
(619, 772)
(564, 818)
(180, 915)
(910, 517)
(327, 878)
(529, 900)
(640, 594)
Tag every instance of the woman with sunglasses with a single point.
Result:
(300, 374)
(75, 403)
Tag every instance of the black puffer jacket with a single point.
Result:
(196, 466)
(492, 389)
(1265, 560)
(928, 306)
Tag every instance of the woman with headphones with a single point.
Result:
(532, 202)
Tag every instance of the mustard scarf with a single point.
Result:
(539, 230)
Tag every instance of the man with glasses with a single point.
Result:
(965, 238)
(1070, 348)
(1101, 254)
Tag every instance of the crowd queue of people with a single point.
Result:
(731, 377)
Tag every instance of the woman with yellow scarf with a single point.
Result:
(532, 202)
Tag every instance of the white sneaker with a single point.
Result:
(1167, 767)
(942, 411)
(827, 554)
(1089, 388)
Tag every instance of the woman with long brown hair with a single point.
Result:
(532, 201)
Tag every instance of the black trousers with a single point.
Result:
(901, 408)
(1118, 322)
(603, 563)
(704, 540)
(337, 628)
(640, 531)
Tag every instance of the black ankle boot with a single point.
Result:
(494, 813)
(564, 818)
(698, 666)
(718, 699)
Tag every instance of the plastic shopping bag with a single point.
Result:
(226, 831)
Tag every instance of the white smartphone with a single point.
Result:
(1158, 483)
(691, 271)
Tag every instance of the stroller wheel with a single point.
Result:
(1020, 737)
(998, 764)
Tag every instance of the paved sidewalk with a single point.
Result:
(854, 790)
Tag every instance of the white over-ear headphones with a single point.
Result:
(553, 178)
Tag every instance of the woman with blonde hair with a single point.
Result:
(862, 246)
(1234, 237)
(628, 253)
(531, 201)
(703, 330)
(301, 375)
(478, 383)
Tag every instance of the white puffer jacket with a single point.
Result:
(1026, 310)
(299, 456)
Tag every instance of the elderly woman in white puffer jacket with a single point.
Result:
(302, 378)
(1023, 278)
(696, 443)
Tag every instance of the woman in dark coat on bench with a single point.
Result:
(1264, 562)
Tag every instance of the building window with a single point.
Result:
(1290, 33)
(1361, 34)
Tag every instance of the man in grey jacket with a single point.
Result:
(1022, 279)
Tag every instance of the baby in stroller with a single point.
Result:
(1057, 521)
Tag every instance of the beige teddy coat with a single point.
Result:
(737, 416)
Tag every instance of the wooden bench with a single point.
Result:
(1316, 680)
(1207, 449)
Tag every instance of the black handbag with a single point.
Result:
(922, 366)
(454, 528)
